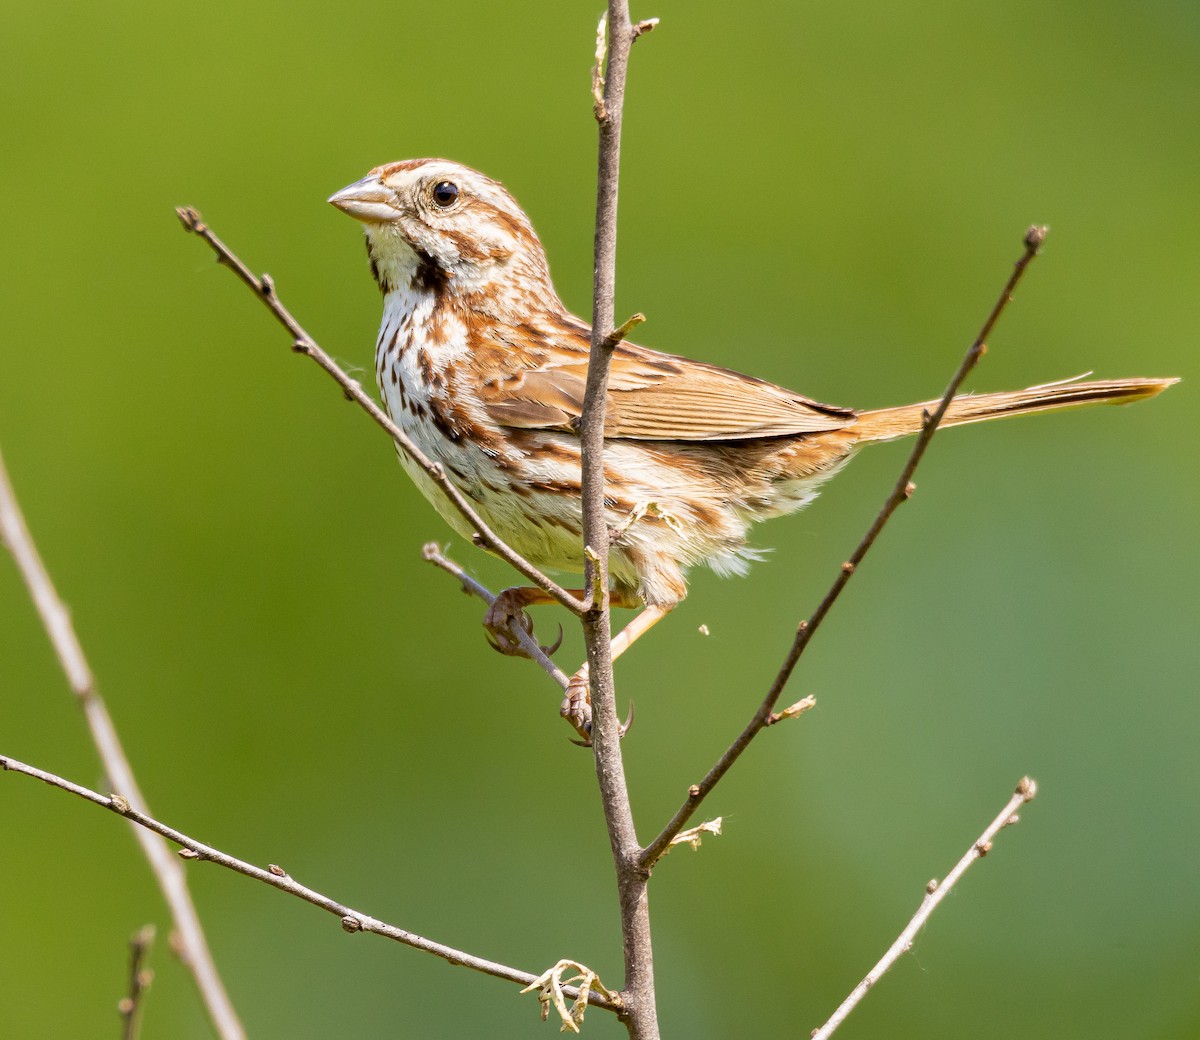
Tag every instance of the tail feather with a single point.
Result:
(885, 424)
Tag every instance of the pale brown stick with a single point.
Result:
(167, 872)
(639, 1012)
(900, 493)
(352, 920)
(303, 343)
(935, 892)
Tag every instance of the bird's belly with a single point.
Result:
(510, 492)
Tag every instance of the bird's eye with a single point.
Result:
(445, 193)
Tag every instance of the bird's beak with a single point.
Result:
(368, 200)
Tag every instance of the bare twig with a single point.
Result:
(140, 977)
(935, 892)
(900, 493)
(352, 920)
(623, 330)
(638, 1011)
(167, 872)
(303, 343)
(433, 553)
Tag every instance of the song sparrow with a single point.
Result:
(479, 362)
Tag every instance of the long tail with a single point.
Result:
(885, 424)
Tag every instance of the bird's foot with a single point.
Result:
(577, 709)
(505, 616)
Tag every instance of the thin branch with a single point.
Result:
(352, 920)
(935, 892)
(433, 553)
(900, 493)
(130, 1006)
(638, 1012)
(303, 343)
(166, 869)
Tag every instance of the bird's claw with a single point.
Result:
(577, 710)
(502, 639)
(506, 611)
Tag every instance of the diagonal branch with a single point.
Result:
(303, 343)
(935, 892)
(805, 630)
(167, 872)
(352, 920)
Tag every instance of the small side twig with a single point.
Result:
(303, 343)
(622, 331)
(351, 920)
(935, 892)
(130, 1006)
(56, 619)
(805, 630)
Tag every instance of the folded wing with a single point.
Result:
(656, 397)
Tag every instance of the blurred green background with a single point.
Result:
(827, 195)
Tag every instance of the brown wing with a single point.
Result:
(653, 396)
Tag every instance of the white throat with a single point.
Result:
(394, 262)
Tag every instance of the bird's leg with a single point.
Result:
(509, 607)
(577, 703)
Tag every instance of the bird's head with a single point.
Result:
(432, 224)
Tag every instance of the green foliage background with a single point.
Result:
(827, 195)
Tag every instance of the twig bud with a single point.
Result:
(694, 835)
(792, 710)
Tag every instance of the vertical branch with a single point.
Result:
(168, 871)
(130, 1007)
(608, 81)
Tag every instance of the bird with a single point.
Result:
(481, 364)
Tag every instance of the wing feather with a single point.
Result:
(655, 397)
